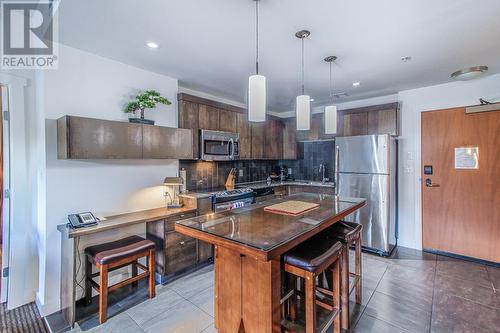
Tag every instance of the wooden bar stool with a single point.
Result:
(306, 262)
(112, 256)
(349, 233)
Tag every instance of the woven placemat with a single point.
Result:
(291, 207)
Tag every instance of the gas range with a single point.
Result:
(229, 195)
(232, 199)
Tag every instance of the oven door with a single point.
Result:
(230, 205)
(219, 146)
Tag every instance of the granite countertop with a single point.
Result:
(256, 185)
(122, 220)
(266, 234)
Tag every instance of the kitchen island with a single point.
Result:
(249, 243)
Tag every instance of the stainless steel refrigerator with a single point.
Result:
(366, 167)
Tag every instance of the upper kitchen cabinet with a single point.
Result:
(188, 118)
(257, 130)
(165, 142)
(317, 131)
(383, 122)
(355, 124)
(208, 117)
(88, 138)
(290, 151)
(273, 139)
(377, 119)
(243, 128)
(227, 120)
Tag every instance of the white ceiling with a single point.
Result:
(209, 45)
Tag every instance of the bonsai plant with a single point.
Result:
(147, 100)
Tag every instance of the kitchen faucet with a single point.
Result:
(322, 169)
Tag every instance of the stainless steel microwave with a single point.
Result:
(219, 146)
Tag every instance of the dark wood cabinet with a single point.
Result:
(273, 139)
(180, 252)
(166, 142)
(317, 131)
(266, 140)
(188, 118)
(243, 128)
(257, 140)
(383, 122)
(227, 121)
(290, 139)
(355, 124)
(208, 117)
(376, 119)
(175, 252)
(88, 138)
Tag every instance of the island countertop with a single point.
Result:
(264, 235)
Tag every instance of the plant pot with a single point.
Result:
(141, 121)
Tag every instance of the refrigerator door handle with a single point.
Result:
(336, 174)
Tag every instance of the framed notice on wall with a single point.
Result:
(467, 158)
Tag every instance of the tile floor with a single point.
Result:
(409, 292)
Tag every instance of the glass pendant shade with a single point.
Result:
(331, 119)
(303, 112)
(257, 98)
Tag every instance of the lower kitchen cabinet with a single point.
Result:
(180, 252)
(176, 253)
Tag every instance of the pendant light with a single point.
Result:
(257, 83)
(303, 102)
(331, 110)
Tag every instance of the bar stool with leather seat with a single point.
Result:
(305, 262)
(111, 256)
(349, 233)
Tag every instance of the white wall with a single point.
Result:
(92, 86)
(414, 102)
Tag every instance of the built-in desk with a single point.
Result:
(73, 242)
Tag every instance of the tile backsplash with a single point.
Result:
(202, 176)
(315, 153)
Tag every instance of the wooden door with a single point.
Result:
(208, 117)
(462, 215)
(243, 128)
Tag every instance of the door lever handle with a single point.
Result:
(428, 183)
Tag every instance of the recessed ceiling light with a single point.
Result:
(469, 73)
(152, 45)
(405, 59)
(356, 84)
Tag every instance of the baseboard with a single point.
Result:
(458, 256)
